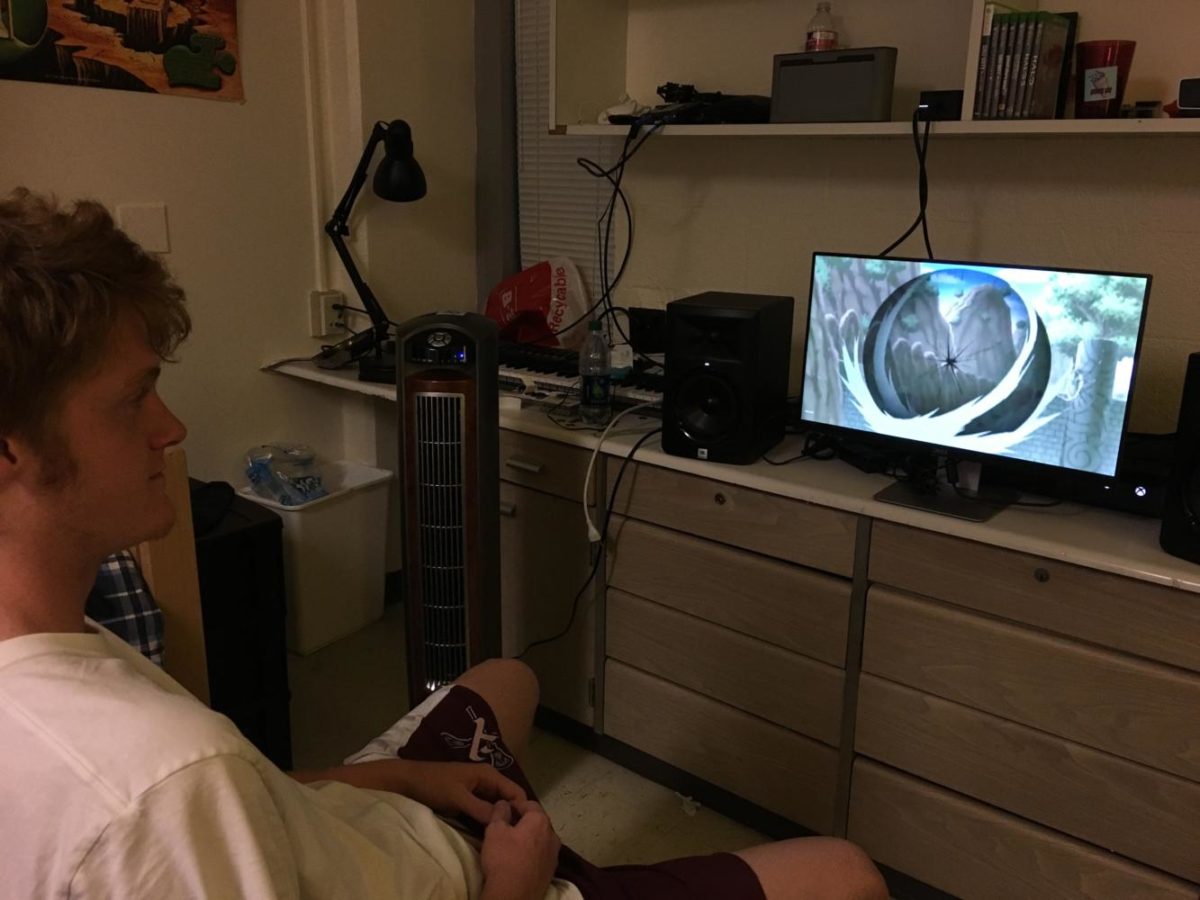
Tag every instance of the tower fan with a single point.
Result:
(449, 448)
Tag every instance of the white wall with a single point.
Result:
(235, 180)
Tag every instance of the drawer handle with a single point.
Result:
(719, 499)
(1041, 575)
(508, 510)
(531, 467)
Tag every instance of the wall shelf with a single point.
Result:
(998, 128)
(603, 49)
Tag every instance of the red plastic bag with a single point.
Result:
(539, 301)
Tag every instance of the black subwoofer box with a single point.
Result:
(726, 363)
(1180, 535)
(240, 567)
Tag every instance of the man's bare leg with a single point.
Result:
(816, 868)
(511, 690)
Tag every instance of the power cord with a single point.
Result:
(812, 449)
(921, 143)
(598, 550)
(593, 534)
(271, 367)
(614, 174)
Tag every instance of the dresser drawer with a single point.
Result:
(1145, 619)
(777, 526)
(1141, 813)
(768, 765)
(1138, 710)
(546, 465)
(544, 558)
(795, 608)
(972, 850)
(774, 684)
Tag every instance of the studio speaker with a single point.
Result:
(1180, 535)
(725, 394)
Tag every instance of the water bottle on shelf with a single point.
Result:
(821, 33)
(595, 389)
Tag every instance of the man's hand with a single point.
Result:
(449, 788)
(518, 858)
(468, 788)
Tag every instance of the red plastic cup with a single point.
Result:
(1102, 71)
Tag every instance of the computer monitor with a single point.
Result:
(1006, 364)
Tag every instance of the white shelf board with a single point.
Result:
(998, 128)
(346, 379)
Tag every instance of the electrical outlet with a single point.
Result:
(323, 319)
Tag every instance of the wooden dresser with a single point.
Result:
(717, 596)
(1026, 727)
(1009, 709)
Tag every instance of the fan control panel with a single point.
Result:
(440, 346)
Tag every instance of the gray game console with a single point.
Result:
(834, 85)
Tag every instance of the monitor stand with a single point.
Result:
(944, 499)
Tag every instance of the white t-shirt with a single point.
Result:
(116, 782)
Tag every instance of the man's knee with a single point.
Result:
(511, 677)
(520, 676)
(857, 872)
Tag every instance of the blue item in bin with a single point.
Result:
(285, 473)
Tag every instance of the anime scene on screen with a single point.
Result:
(1028, 364)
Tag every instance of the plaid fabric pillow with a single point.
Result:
(120, 601)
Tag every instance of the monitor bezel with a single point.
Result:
(911, 445)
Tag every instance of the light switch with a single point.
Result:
(146, 223)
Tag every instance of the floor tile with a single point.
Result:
(345, 694)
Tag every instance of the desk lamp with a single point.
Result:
(399, 178)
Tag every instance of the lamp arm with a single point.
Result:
(338, 227)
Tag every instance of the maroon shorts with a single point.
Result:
(463, 728)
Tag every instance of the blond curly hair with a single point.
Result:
(66, 274)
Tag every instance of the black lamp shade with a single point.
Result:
(399, 176)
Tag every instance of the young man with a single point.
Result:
(115, 782)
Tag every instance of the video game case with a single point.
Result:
(1028, 66)
(987, 53)
(985, 39)
(1012, 59)
(1000, 36)
(1052, 67)
(1064, 80)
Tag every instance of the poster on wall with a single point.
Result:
(179, 47)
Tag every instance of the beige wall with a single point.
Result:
(243, 201)
(418, 64)
(234, 178)
(746, 215)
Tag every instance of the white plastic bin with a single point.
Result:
(333, 555)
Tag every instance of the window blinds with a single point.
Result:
(558, 202)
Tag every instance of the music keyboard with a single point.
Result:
(551, 374)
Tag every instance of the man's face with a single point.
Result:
(102, 477)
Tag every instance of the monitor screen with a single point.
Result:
(999, 361)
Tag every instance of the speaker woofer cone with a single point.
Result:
(706, 408)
